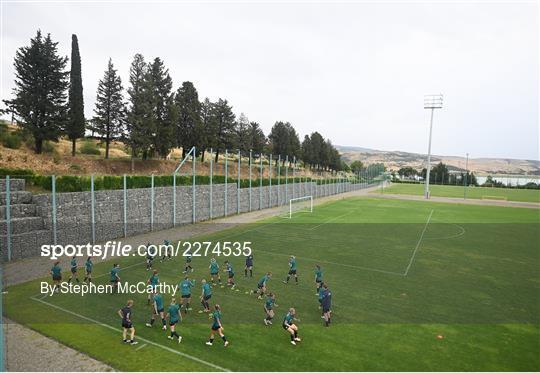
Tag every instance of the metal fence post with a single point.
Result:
(294, 177)
(211, 182)
(278, 178)
(250, 179)
(174, 199)
(125, 206)
(226, 175)
(93, 207)
(260, 181)
(270, 181)
(8, 219)
(238, 185)
(193, 187)
(152, 202)
(286, 178)
(53, 190)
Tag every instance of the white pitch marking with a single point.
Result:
(334, 263)
(196, 359)
(418, 244)
(329, 220)
(451, 236)
(141, 346)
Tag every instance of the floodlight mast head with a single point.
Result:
(431, 102)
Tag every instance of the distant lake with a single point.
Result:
(511, 179)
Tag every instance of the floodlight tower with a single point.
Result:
(431, 102)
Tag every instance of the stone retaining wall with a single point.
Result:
(74, 211)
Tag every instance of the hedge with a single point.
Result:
(69, 183)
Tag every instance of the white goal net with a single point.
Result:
(298, 205)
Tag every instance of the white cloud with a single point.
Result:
(356, 72)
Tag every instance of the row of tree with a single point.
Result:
(439, 174)
(151, 119)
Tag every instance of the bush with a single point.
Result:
(75, 167)
(47, 147)
(56, 157)
(11, 140)
(15, 172)
(89, 148)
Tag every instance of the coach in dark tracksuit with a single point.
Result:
(326, 304)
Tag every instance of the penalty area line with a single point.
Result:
(168, 349)
(418, 244)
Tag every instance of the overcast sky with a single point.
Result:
(354, 71)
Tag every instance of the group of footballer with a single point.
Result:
(174, 310)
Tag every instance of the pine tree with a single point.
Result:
(222, 126)
(207, 120)
(318, 147)
(189, 125)
(242, 134)
(110, 108)
(140, 124)
(160, 84)
(257, 139)
(75, 125)
(284, 141)
(308, 155)
(39, 105)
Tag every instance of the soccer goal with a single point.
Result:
(298, 205)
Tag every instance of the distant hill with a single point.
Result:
(394, 160)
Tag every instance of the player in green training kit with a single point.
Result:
(88, 266)
(289, 325)
(115, 279)
(217, 326)
(230, 274)
(173, 313)
(249, 266)
(269, 305)
(185, 290)
(153, 281)
(158, 309)
(127, 325)
(318, 278)
(292, 270)
(149, 257)
(214, 271)
(167, 255)
(188, 268)
(320, 294)
(74, 270)
(261, 285)
(206, 294)
(56, 272)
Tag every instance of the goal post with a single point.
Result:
(300, 204)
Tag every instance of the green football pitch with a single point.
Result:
(401, 273)
(521, 195)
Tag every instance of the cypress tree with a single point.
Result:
(75, 125)
(109, 117)
(39, 105)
